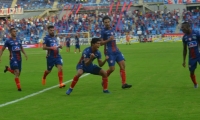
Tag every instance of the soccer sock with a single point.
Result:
(193, 77)
(11, 71)
(75, 80)
(108, 73)
(17, 83)
(60, 76)
(123, 76)
(45, 74)
(105, 83)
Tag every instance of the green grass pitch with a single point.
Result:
(162, 89)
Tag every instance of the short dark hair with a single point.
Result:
(11, 29)
(187, 24)
(51, 26)
(95, 40)
(105, 18)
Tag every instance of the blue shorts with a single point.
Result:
(193, 63)
(16, 64)
(77, 46)
(114, 57)
(53, 61)
(67, 45)
(93, 69)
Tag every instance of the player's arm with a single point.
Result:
(1, 51)
(22, 49)
(101, 63)
(103, 42)
(88, 60)
(184, 53)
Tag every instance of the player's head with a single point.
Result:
(51, 30)
(13, 32)
(96, 43)
(106, 21)
(186, 28)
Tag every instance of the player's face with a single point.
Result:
(97, 45)
(51, 31)
(13, 33)
(106, 23)
(185, 29)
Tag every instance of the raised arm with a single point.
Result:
(101, 63)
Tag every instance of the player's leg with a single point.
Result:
(75, 79)
(50, 64)
(120, 61)
(8, 69)
(111, 64)
(75, 49)
(59, 64)
(192, 67)
(15, 67)
(79, 49)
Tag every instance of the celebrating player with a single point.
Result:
(53, 57)
(191, 39)
(15, 48)
(68, 43)
(85, 65)
(111, 50)
(77, 44)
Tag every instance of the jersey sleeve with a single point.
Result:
(86, 54)
(45, 40)
(6, 44)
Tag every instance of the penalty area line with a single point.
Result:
(36, 93)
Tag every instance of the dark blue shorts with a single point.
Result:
(16, 64)
(193, 63)
(115, 57)
(93, 69)
(53, 61)
(77, 46)
(67, 45)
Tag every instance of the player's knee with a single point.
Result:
(103, 73)
(112, 69)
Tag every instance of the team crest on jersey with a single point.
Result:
(194, 37)
(111, 33)
(16, 43)
(190, 39)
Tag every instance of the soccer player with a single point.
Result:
(68, 43)
(191, 40)
(77, 45)
(15, 48)
(85, 65)
(128, 39)
(111, 50)
(53, 57)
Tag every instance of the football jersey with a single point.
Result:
(51, 42)
(76, 41)
(192, 42)
(86, 54)
(110, 46)
(14, 47)
(68, 40)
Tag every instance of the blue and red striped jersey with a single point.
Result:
(68, 41)
(14, 47)
(192, 41)
(110, 46)
(51, 42)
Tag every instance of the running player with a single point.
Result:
(111, 50)
(68, 43)
(77, 44)
(15, 48)
(53, 57)
(191, 40)
(85, 65)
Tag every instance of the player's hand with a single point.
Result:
(92, 56)
(111, 38)
(60, 46)
(184, 65)
(26, 57)
(107, 57)
(54, 48)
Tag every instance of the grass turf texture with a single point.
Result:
(162, 88)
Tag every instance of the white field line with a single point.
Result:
(34, 94)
